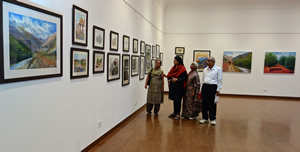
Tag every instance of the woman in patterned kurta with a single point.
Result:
(156, 88)
(191, 104)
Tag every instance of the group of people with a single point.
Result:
(197, 97)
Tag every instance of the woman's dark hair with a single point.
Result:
(179, 59)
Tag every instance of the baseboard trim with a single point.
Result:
(246, 95)
(89, 147)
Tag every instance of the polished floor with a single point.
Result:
(244, 124)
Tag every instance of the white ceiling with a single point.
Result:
(169, 4)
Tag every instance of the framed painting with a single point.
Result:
(79, 26)
(280, 62)
(237, 61)
(153, 51)
(98, 37)
(125, 69)
(134, 65)
(113, 66)
(142, 67)
(98, 62)
(161, 58)
(135, 45)
(157, 51)
(79, 63)
(148, 58)
(142, 49)
(152, 63)
(126, 41)
(114, 41)
(200, 56)
(29, 50)
(179, 50)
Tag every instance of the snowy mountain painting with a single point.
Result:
(32, 43)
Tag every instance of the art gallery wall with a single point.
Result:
(60, 114)
(258, 29)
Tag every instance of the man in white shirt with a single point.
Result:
(210, 88)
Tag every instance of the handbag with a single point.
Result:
(149, 80)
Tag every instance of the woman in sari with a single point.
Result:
(177, 79)
(191, 104)
(156, 88)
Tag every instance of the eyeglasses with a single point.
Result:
(208, 60)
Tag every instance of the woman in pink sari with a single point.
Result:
(191, 104)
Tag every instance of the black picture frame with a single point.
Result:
(125, 69)
(79, 63)
(113, 66)
(79, 28)
(135, 45)
(201, 64)
(161, 58)
(157, 51)
(179, 50)
(153, 52)
(142, 47)
(126, 43)
(9, 72)
(142, 67)
(98, 62)
(98, 38)
(114, 41)
(134, 65)
(148, 58)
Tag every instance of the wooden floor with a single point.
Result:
(244, 124)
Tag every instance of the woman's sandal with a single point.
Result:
(177, 118)
(172, 115)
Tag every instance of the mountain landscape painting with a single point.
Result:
(32, 43)
(235, 61)
(200, 57)
(280, 62)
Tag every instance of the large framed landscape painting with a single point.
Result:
(200, 56)
(79, 26)
(237, 61)
(31, 41)
(280, 62)
(79, 63)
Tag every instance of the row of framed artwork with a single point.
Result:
(241, 61)
(80, 65)
(32, 41)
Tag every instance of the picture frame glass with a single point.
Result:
(114, 41)
(179, 50)
(113, 66)
(99, 60)
(99, 37)
(135, 46)
(80, 25)
(30, 50)
(80, 60)
(125, 70)
(142, 67)
(200, 56)
(126, 40)
(142, 49)
(134, 65)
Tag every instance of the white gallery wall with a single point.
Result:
(258, 29)
(62, 114)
